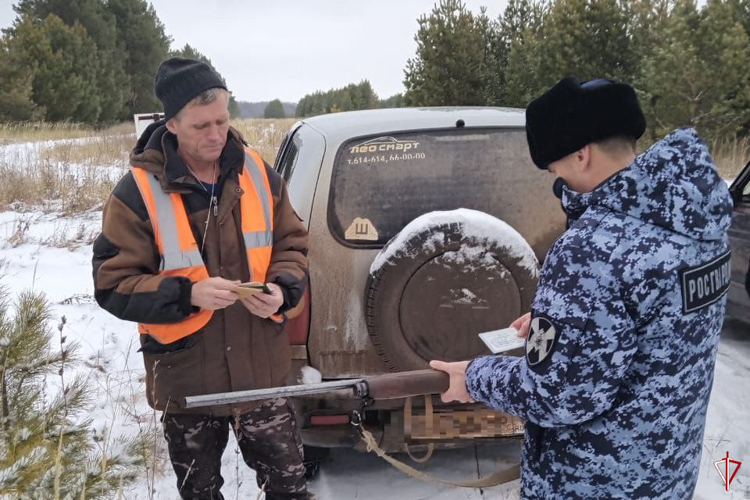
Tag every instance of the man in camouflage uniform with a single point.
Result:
(623, 332)
(197, 215)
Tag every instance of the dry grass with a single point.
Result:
(99, 150)
(55, 187)
(45, 131)
(71, 168)
(264, 135)
(731, 156)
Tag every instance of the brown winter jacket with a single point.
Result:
(235, 350)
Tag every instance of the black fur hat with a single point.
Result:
(572, 114)
(179, 80)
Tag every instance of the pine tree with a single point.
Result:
(141, 35)
(724, 47)
(449, 66)
(520, 33)
(16, 77)
(65, 78)
(494, 59)
(352, 97)
(274, 109)
(395, 101)
(111, 80)
(644, 16)
(741, 12)
(45, 448)
(699, 75)
(587, 39)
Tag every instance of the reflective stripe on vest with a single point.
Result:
(257, 231)
(178, 249)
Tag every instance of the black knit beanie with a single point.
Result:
(572, 114)
(179, 80)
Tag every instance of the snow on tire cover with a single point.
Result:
(446, 277)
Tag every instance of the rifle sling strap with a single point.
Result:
(428, 423)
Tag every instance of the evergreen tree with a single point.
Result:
(741, 12)
(449, 67)
(16, 78)
(699, 76)
(141, 35)
(520, 34)
(274, 109)
(99, 24)
(349, 98)
(189, 52)
(644, 16)
(65, 79)
(395, 101)
(45, 451)
(725, 47)
(494, 59)
(587, 39)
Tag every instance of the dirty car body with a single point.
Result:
(357, 179)
(738, 302)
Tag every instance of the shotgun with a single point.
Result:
(379, 387)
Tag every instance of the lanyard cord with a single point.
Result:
(211, 201)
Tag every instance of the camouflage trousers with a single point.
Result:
(268, 440)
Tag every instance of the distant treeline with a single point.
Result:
(258, 109)
(350, 98)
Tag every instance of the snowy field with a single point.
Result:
(51, 253)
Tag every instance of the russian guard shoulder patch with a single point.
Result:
(705, 284)
(541, 340)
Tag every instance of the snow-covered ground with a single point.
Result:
(52, 253)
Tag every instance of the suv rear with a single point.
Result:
(738, 303)
(427, 227)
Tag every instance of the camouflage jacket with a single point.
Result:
(625, 326)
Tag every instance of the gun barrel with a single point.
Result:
(388, 386)
(223, 398)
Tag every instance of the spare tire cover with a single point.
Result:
(446, 277)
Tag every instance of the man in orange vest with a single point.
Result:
(197, 215)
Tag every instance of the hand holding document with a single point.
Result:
(502, 340)
(250, 288)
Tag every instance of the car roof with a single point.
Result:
(340, 126)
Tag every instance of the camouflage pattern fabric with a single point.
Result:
(267, 438)
(625, 326)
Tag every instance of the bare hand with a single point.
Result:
(522, 325)
(457, 372)
(213, 293)
(264, 305)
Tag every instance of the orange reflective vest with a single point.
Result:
(179, 251)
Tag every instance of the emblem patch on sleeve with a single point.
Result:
(705, 284)
(541, 340)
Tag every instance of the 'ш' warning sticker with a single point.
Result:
(361, 230)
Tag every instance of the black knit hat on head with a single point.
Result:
(572, 114)
(179, 80)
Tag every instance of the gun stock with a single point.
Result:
(388, 386)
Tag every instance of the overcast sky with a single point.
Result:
(285, 49)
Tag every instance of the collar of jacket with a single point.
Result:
(156, 151)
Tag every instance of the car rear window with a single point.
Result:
(382, 183)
